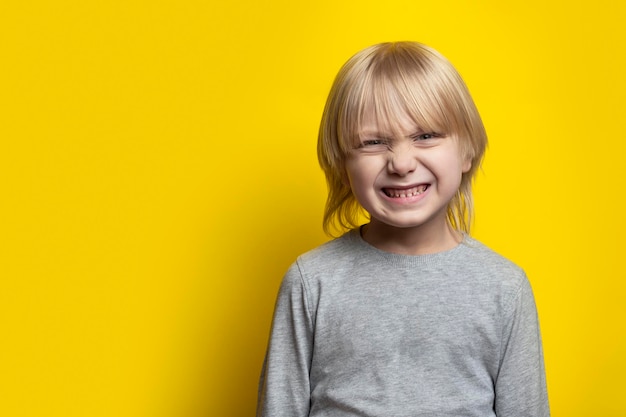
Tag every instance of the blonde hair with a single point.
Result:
(388, 80)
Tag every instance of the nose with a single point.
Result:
(402, 161)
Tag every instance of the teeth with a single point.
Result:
(411, 192)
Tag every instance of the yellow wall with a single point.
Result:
(158, 175)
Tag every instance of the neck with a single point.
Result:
(418, 240)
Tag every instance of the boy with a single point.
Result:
(406, 315)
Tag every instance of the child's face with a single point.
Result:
(407, 179)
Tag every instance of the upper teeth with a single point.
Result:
(410, 192)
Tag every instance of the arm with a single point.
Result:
(521, 383)
(284, 388)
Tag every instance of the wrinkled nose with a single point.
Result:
(402, 162)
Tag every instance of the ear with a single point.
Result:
(467, 164)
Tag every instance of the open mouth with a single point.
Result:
(405, 192)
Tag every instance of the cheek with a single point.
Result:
(350, 172)
(359, 176)
(456, 161)
(355, 181)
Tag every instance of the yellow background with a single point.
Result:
(158, 175)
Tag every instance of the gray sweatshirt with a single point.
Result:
(362, 332)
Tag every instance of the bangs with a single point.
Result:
(397, 87)
(385, 107)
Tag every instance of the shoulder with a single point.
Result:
(487, 259)
(331, 254)
(328, 259)
(493, 268)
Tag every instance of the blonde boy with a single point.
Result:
(406, 315)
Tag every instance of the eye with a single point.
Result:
(369, 143)
(425, 136)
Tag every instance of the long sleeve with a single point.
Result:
(284, 388)
(521, 384)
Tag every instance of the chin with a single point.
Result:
(411, 222)
(401, 224)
